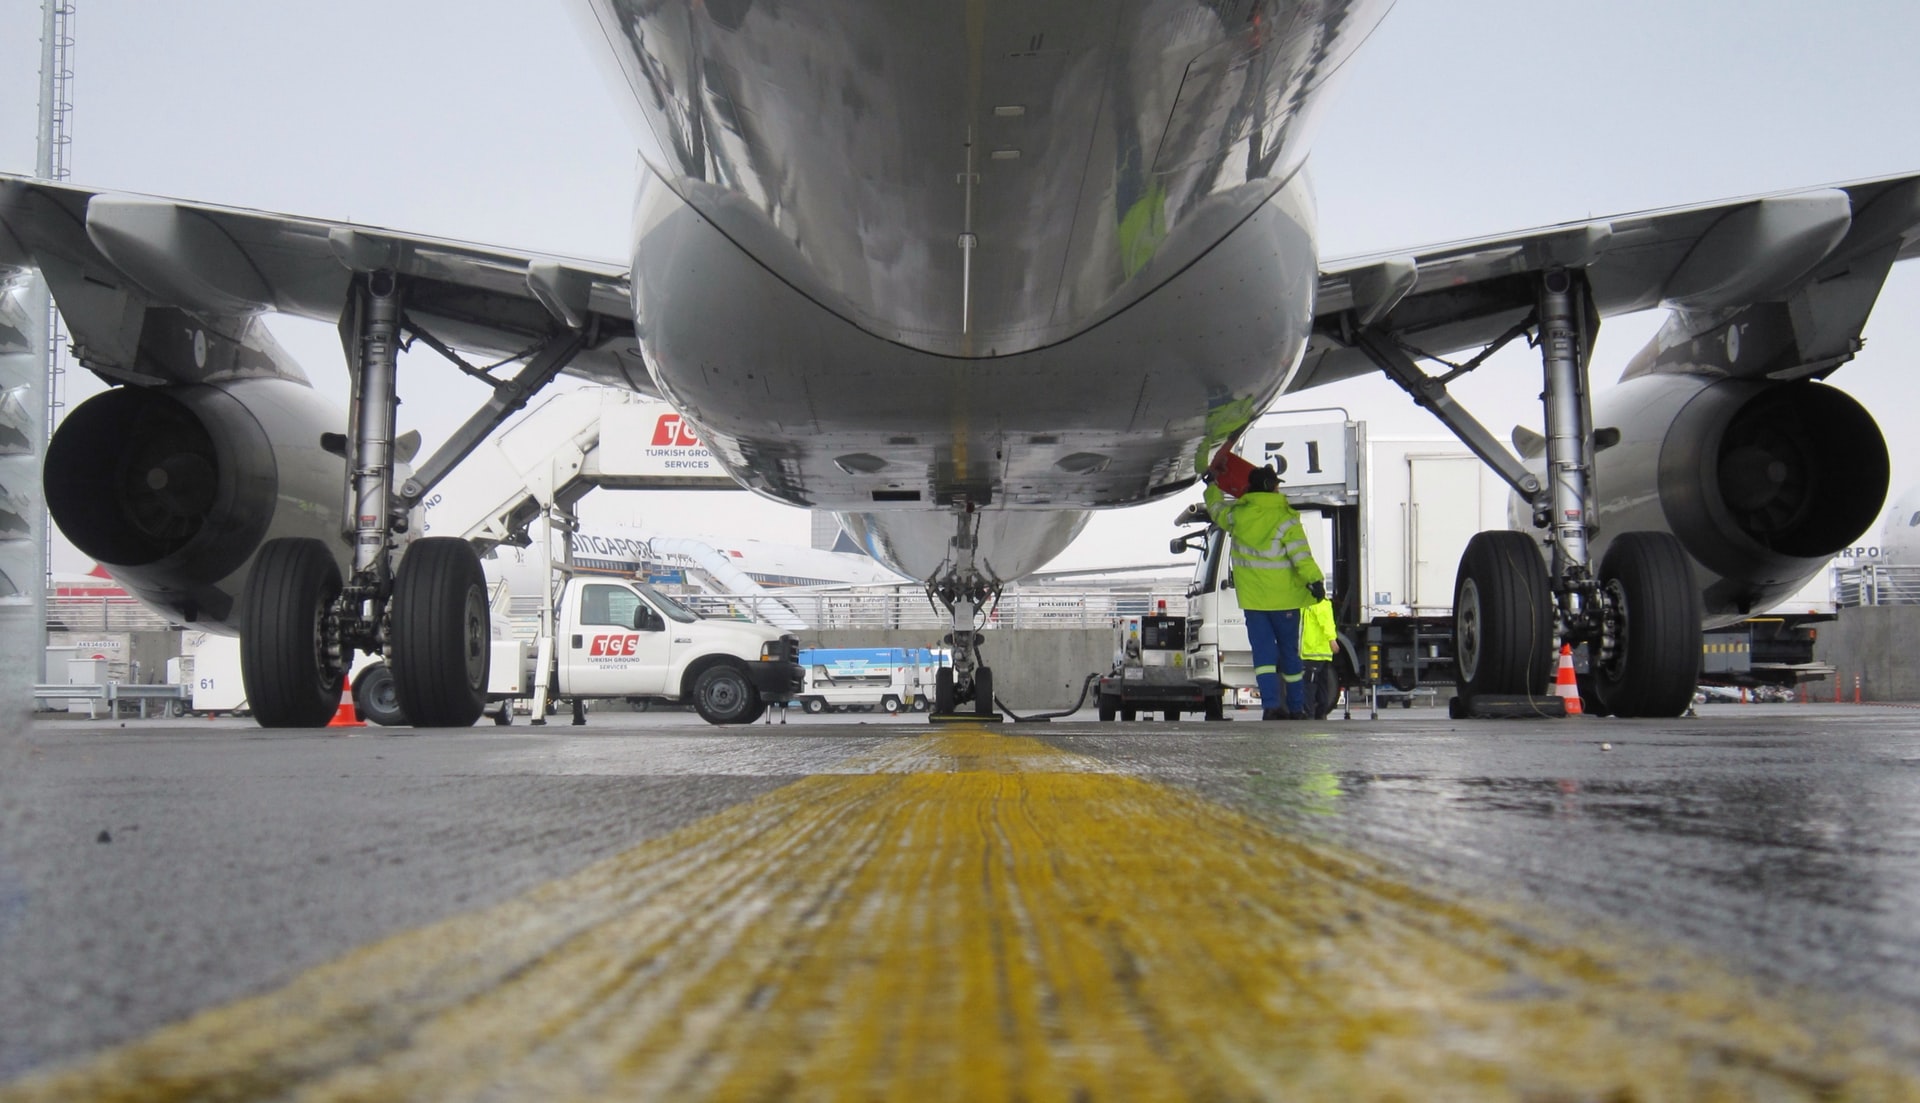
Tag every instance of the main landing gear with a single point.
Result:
(423, 607)
(963, 690)
(1518, 597)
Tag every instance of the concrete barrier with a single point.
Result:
(1879, 643)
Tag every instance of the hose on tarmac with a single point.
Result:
(1077, 705)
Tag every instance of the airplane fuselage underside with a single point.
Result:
(1022, 259)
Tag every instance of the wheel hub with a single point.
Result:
(1467, 630)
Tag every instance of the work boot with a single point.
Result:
(1275, 714)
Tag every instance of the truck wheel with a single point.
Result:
(1653, 673)
(1502, 616)
(283, 661)
(943, 690)
(442, 633)
(722, 695)
(1216, 709)
(983, 692)
(814, 705)
(1127, 715)
(1169, 715)
(1109, 708)
(920, 703)
(890, 703)
(375, 698)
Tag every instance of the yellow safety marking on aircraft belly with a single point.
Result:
(972, 916)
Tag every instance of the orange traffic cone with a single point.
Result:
(1565, 685)
(344, 716)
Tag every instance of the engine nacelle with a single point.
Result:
(1762, 481)
(173, 489)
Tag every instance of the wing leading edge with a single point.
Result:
(160, 290)
(1796, 273)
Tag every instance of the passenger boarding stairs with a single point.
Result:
(578, 441)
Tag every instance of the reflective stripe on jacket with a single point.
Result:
(1316, 632)
(1272, 564)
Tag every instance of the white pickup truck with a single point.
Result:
(616, 638)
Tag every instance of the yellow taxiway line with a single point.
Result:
(973, 916)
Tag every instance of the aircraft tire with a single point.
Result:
(1657, 663)
(375, 698)
(1591, 702)
(1502, 616)
(983, 691)
(442, 633)
(283, 664)
(723, 695)
(943, 690)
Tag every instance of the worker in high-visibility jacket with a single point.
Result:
(1274, 576)
(1318, 641)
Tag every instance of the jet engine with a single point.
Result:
(174, 488)
(1762, 481)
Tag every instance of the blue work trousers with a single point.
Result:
(1274, 635)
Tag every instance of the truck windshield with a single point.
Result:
(667, 605)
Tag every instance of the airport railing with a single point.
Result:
(911, 608)
(103, 614)
(170, 699)
(1877, 584)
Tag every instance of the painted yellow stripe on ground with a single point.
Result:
(969, 916)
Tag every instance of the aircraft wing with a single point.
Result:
(127, 269)
(1795, 272)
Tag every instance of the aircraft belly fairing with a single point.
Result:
(807, 408)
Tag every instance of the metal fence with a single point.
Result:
(1877, 584)
(103, 614)
(878, 608)
(882, 609)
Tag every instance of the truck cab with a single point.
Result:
(620, 638)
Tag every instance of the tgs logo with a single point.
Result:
(672, 431)
(614, 645)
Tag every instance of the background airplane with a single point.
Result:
(909, 539)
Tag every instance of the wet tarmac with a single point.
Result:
(1413, 907)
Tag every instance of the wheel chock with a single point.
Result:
(1507, 706)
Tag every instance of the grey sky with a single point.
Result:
(489, 121)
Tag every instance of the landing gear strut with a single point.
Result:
(1517, 598)
(429, 618)
(966, 593)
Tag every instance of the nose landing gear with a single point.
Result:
(963, 690)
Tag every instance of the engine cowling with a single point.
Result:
(173, 489)
(1762, 481)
